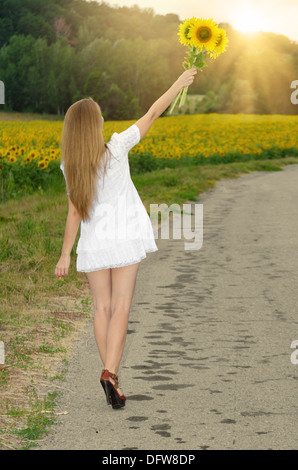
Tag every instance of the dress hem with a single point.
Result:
(118, 265)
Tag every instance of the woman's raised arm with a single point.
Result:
(160, 105)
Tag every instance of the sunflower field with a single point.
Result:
(30, 153)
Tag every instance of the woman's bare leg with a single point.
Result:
(123, 287)
(101, 288)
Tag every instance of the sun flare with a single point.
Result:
(248, 21)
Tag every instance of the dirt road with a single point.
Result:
(207, 361)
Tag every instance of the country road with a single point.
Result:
(207, 361)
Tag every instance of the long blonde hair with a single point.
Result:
(83, 152)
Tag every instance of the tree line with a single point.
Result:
(56, 52)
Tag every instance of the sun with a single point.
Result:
(248, 20)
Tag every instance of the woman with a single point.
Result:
(100, 189)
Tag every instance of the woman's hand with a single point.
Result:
(62, 266)
(187, 77)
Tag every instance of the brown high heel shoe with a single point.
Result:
(109, 400)
(117, 400)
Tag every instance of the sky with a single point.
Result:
(276, 16)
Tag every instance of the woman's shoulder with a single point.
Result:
(126, 139)
(114, 144)
(114, 139)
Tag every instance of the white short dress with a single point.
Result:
(119, 232)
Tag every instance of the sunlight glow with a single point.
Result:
(248, 20)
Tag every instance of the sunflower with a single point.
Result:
(204, 34)
(42, 164)
(183, 31)
(221, 44)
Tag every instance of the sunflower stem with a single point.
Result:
(183, 96)
(175, 102)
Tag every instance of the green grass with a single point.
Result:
(35, 421)
(178, 185)
(39, 316)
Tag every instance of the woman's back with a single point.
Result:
(119, 230)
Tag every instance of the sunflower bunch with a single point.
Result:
(204, 38)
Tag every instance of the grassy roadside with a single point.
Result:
(40, 317)
(178, 185)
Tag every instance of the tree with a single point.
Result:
(120, 105)
(97, 86)
(36, 26)
(6, 30)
